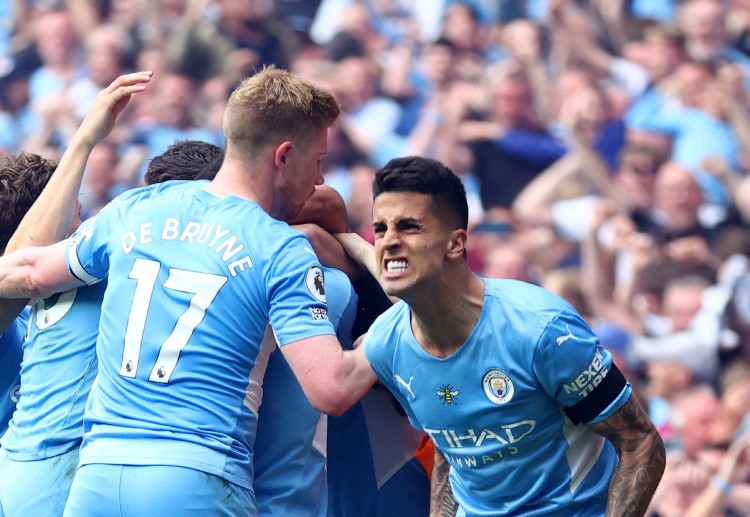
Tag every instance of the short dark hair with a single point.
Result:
(23, 176)
(185, 160)
(430, 177)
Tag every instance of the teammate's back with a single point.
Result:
(190, 279)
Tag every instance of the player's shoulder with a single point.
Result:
(390, 340)
(278, 238)
(137, 194)
(525, 299)
(392, 320)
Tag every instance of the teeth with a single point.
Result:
(396, 266)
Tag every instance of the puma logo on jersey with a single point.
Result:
(563, 339)
(405, 385)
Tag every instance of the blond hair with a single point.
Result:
(274, 105)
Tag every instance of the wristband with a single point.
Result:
(720, 485)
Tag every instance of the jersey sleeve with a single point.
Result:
(379, 353)
(338, 295)
(87, 257)
(296, 289)
(372, 303)
(379, 343)
(577, 371)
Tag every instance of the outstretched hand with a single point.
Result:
(109, 103)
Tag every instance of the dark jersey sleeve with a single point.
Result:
(372, 303)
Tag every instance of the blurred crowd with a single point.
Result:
(605, 147)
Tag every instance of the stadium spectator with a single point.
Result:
(489, 88)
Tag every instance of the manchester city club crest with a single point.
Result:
(498, 386)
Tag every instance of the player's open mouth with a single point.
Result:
(394, 267)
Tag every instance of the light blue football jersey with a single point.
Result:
(192, 281)
(11, 353)
(290, 447)
(59, 367)
(494, 407)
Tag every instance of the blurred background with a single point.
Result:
(604, 145)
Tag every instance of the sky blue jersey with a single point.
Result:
(193, 280)
(59, 366)
(11, 352)
(290, 447)
(494, 407)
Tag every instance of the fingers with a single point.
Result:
(136, 78)
(125, 85)
(124, 91)
(109, 103)
(131, 83)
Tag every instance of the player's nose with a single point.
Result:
(390, 237)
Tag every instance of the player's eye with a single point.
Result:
(408, 226)
(378, 229)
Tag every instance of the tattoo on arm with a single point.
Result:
(442, 503)
(642, 459)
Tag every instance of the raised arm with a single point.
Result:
(731, 82)
(714, 498)
(36, 272)
(329, 250)
(49, 218)
(593, 167)
(361, 251)
(523, 39)
(533, 204)
(642, 459)
(573, 20)
(598, 270)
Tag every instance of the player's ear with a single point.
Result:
(281, 155)
(457, 243)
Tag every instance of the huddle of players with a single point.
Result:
(40, 449)
(207, 290)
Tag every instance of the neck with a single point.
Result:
(243, 180)
(444, 317)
